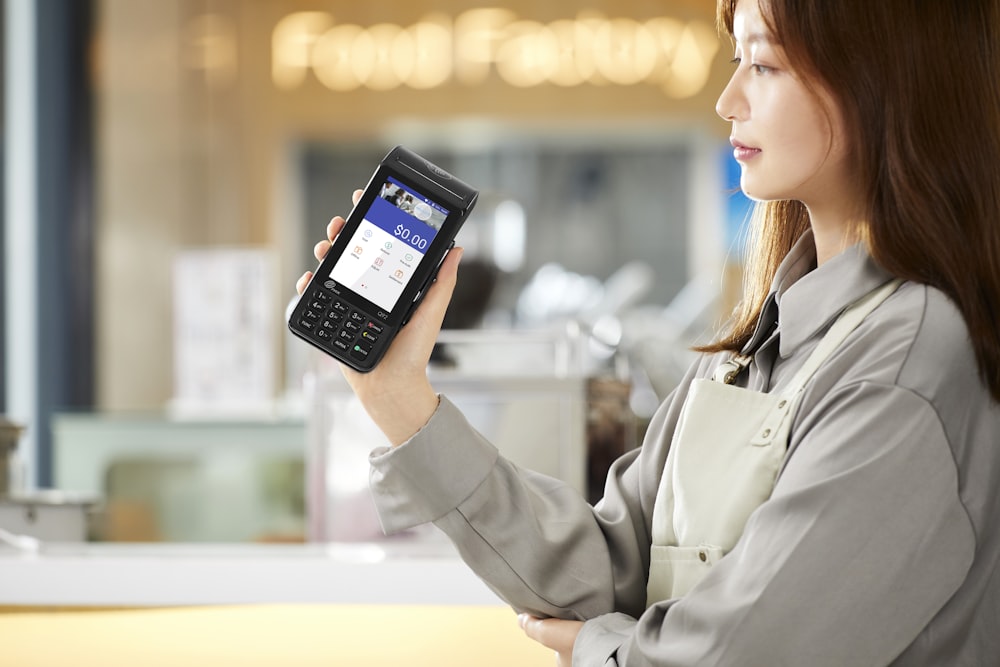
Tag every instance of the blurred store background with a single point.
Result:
(169, 165)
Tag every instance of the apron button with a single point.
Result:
(782, 404)
(703, 556)
(766, 433)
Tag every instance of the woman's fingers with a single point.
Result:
(300, 286)
(556, 634)
(323, 247)
(320, 250)
(333, 229)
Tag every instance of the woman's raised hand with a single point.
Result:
(397, 393)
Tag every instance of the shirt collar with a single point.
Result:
(810, 298)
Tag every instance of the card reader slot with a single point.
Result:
(436, 184)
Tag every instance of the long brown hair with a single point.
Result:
(918, 83)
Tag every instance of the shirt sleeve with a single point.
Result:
(533, 539)
(862, 542)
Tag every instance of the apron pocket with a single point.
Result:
(673, 571)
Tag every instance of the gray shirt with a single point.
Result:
(879, 545)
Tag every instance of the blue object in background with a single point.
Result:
(737, 207)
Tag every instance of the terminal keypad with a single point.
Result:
(338, 325)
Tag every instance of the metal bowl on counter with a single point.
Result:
(10, 433)
(47, 515)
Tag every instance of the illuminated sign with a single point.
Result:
(590, 49)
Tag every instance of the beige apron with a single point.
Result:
(724, 460)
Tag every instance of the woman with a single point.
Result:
(868, 533)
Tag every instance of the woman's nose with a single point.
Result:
(730, 105)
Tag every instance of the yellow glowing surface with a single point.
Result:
(259, 635)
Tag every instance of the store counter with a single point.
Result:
(247, 605)
(272, 635)
(155, 575)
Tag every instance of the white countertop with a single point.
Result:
(93, 574)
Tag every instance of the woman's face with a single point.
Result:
(789, 139)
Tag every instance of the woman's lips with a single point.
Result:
(742, 152)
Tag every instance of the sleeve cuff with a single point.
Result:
(600, 638)
(431, 473)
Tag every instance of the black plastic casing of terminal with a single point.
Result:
(344, 324)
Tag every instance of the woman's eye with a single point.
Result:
(756, 67)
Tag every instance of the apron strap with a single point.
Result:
(729, 370)
(838, 332)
